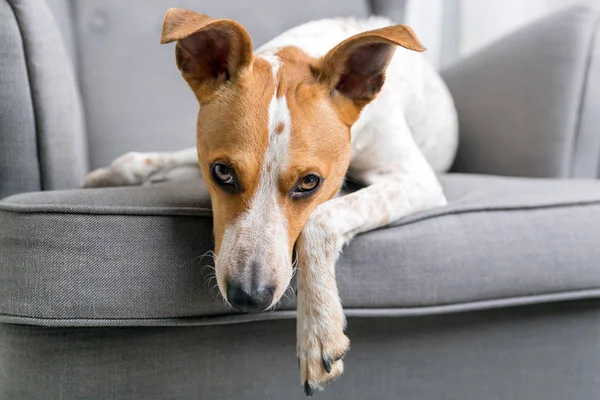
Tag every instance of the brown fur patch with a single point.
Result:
(233, 128)
(320, 140)
(279, 129)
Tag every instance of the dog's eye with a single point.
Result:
(306, 186)
(309, 182)
(224, 176)
(222, 173)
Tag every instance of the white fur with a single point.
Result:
(262, 230)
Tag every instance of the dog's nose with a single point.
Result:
(255, 300)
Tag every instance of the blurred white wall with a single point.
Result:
(451, 29)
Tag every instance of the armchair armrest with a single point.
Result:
(529, 105)
(41, 120)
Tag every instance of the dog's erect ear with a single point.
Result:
(209, 51)
(355, 68)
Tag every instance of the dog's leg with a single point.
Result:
(145, 168)
(321, 321)
(390, 195)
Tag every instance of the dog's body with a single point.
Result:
(277, 132)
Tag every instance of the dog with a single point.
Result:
(278, 131)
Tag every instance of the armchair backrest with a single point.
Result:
(133, 95)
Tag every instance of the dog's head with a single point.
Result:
(273, 138)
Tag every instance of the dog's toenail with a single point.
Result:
(327, 364)
(308, 390)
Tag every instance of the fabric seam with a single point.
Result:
(401, 311)
(193, 212)
(489, 209)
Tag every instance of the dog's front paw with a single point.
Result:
(129, 169)
(100, 177)
(321, 342)
(321, 346)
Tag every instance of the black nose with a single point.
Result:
(256, 300)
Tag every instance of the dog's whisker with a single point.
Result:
(273, 307)
(209, 253)
(192, 261)
(294, 271)
(292, 291)
(214, 289)
(210, 281)
(209, 267)
(289, 300)
(199, 258)
(211, 273)
(210, 277)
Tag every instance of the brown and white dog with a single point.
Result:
(278, 130)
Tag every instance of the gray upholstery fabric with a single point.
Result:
(548, 352)
(520, 101)
(62, 10)
(134, 96)
(393, 9)
(19, 167)
(51, 126)
(99, 257)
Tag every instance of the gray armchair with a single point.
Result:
(103, 294)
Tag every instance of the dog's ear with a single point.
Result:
(209, 52)
(354, 70)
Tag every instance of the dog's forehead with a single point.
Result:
(298, 95)
(274, 123)
(268, 111)
(276, 156)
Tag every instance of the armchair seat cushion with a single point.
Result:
(136, 255)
